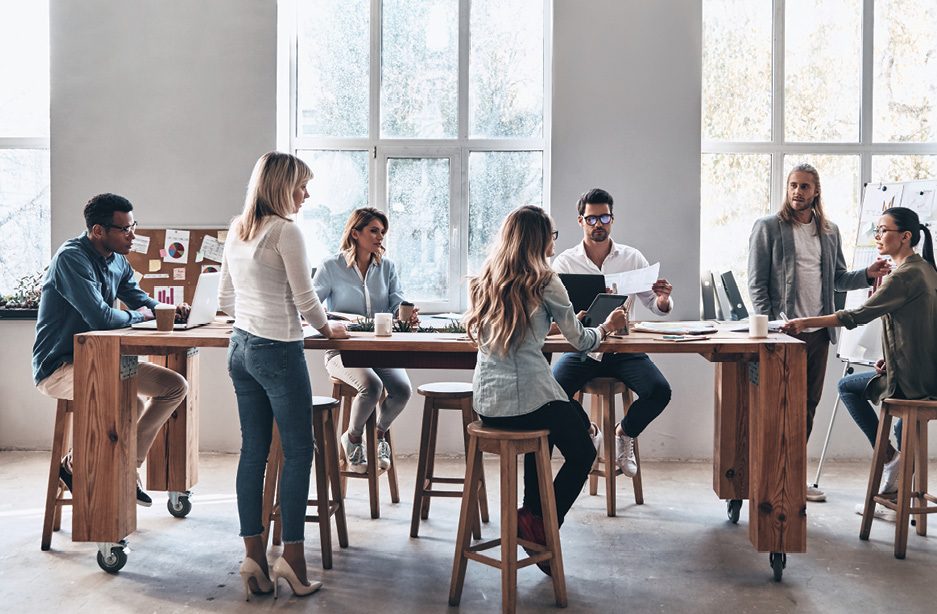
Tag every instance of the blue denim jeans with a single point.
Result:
(636, 371)
(852, 392)
(271, 383)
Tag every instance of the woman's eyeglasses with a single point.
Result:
(605, 218)
(882, 230)
(556, 234)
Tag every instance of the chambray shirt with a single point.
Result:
(78, 295)
(340, 285)
(522, 381)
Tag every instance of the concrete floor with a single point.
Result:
(675, 553)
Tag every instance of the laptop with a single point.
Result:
(204, 305)
(582, 289)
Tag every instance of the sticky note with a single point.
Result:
(155, 265)
(222, 235)
(178, 273)
(137, 276)
(162, 253)
(199, 257)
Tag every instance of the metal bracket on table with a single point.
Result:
(192, 352)
(753, 372)
(128, 366)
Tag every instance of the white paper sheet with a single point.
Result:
(141, 244)
(632, 282)
(176, 246)
(212, 249)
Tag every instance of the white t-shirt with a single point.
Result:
(808, 299)
(267, 282)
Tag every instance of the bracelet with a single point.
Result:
(603, 332)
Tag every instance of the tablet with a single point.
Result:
(603, 305)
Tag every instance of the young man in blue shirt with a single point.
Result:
(86, 276)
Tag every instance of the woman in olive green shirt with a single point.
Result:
(907, 304)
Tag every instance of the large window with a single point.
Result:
(24, 140)
(433, 111)
(849, 86)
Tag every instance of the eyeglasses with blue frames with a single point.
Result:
(124, 229)
(605, 218)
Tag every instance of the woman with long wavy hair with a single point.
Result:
(265, 286)
(514, 300)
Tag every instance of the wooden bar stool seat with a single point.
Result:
(346, 393)
(913, 498)
(602, 391)
(326, 469)
(442, 395)
(508, 444)
(55, 492)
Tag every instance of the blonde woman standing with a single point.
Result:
(514, 300)
(265, 286)
(360, 279)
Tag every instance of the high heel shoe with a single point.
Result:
(282, 569)
(255, 580)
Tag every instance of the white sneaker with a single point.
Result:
(890, 475)
(597, 441)
(383, 454)
(815, 494)
(880, 513)
(354, 452)
(624, 453)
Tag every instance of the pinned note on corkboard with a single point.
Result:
(174, 258)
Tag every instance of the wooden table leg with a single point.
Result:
(172, 462)
(778, 440)
(105, 442)
(730, 440)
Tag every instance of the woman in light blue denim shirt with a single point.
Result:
(514, 300)
(359, 279)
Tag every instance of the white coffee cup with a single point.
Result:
(758, 326)
(165, 316)
(383, 324)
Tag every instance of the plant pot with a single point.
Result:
(7, 313)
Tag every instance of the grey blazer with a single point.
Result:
(772, 269)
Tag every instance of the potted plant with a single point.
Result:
(23, 304)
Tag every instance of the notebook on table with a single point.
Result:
(204, 305)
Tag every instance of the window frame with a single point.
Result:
(777, 147)
(381, 148)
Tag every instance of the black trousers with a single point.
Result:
(569, 431)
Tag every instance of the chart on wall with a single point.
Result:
(863, 344)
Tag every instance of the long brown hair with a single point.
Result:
(786, 214)
(510, 286)
(270, 191)
(359, 220)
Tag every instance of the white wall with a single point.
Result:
(170, 102)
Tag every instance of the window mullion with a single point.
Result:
(377, 177)
(867, 92)
(778, 136)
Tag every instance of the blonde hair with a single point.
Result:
(786, 214)
(359, 220)
(270, 191)
(510, 286)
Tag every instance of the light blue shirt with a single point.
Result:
(340, 285)
(522, 381)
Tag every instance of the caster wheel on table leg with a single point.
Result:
(778, 562)
(179, 504)
(734, 510)
(114, 560)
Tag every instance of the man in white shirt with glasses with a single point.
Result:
(597, 254)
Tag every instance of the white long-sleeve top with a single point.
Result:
(267, 282)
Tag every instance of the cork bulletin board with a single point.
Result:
(168, 261)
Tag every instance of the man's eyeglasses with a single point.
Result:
(125, 229)
(882, 230)
(556, 234)
(605, 218)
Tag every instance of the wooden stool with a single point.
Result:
(55, 493)
(326, 467)
(602, 404)
(913, 462)
(346, 393)
(508, 444)
(443, 395)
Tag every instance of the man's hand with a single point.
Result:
(182, 312)
(146, 313)
(880, 365)
(794, 327)
(662, 289)
(879, 268)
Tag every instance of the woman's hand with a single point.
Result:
(334, 330)
(414, 318)
(795, 326)
(615, 320)
(880, 365)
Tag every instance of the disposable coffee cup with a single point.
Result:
(383, 324)
(405, 311)
(165, 316)
(758, 326)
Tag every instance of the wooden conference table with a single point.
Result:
(759, 446)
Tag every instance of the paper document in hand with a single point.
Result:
(632, 282)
